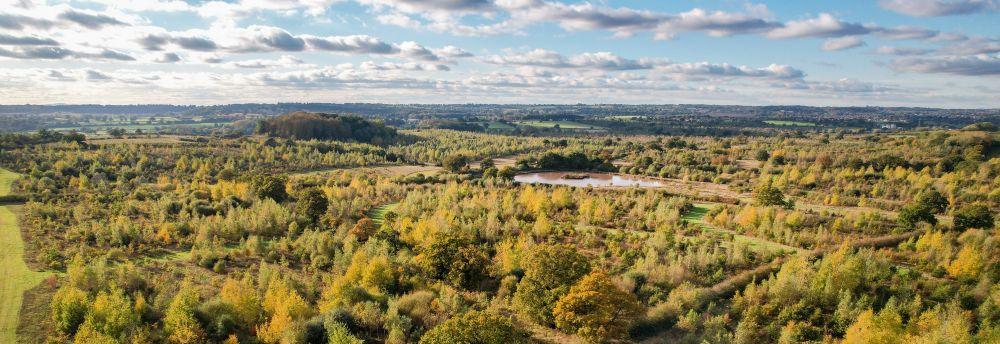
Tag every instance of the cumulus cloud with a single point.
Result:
(169, 58)
(977, 65)
(552, 59)
(355, 44)
(283, 61)
(610, 62)
(934, 8)
(726, 70)
(842, 43)
(823, 26)
(408, 66)
(6, 39)
(843, 85)
(42, 53)
(89, 19)
(900, 51)
(716, 23)
(19, 22)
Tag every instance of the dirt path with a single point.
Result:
(733, 283)
(15, 276)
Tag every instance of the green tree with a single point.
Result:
(476, 327)
(914, 213)
(269, 186)
(596, 310)
(312, 203)
(549, 271)
(976, 215)
(933, 199)
(455, 259)
(69, 309)
(455, 162)
(769, 195)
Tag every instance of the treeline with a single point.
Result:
(322, 126)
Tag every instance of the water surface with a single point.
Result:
(593, 179)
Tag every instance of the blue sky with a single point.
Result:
(939, 53)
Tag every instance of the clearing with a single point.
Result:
(697, 216)
(791, 123)
(377, 214)
(17, 277)
(561, 124)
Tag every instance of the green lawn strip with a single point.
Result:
(697, 216)
(791, 123)
(15, 276)
(377, 214)
(562, 124)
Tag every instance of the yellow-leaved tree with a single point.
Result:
(596, 309)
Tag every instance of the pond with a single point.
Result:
(585, 179)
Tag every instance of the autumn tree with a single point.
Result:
(69, 309)
(111, 318)
(179, 321)
(549, 271)
(476, 327)
(596, 309)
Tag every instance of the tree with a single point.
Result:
(244, 299)
(179, 321)
(476, 327)
(269, 186)
(69, 309)
(455, 259)
(933, 199)
(976, 215)
(549, 271)
(111, 316)
(596, 310)
(769, 195)
(455, 162)
(886, 327)
(914, 213)
(312, 203)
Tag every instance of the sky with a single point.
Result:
(931, 53)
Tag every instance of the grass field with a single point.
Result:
(377, 214)
(562, 124)
(791, 123)
(15, 276)
(499, 125)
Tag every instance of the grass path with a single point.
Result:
(15, 276)
(377, 214)
(697, 216)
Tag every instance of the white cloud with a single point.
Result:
(977, 65)
(842, 43)
(934, 8)
(823, 26)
